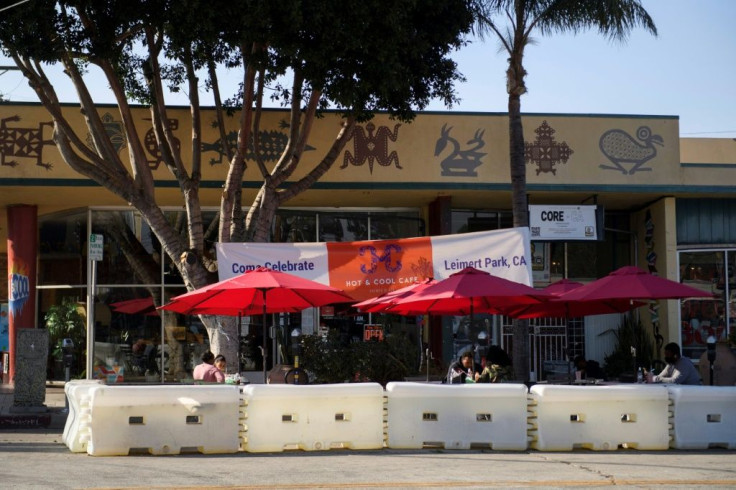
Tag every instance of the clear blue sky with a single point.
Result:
(689, 71)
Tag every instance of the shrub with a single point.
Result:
(330, 360)
(620, 363)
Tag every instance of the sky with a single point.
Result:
(688, 70)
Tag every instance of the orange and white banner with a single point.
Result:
(369, 268)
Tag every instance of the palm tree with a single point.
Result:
(513, 22)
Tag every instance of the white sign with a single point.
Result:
(548, 222)
(369, 268)
(96, 243)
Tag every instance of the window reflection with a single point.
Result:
(703, 317)
(133, 341)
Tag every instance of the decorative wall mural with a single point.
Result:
(620, 147)
(23, 142)
(115, 131)
(149, 142)
(372, 147)
(652, 265)
(271, 145)
(459, 163)
(545, 152)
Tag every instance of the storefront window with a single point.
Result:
(386, 226)
(343, 228)
(294, 227)
(132, 254)
(703, 317)
(62, 256)
(136, 343)
(63, 313)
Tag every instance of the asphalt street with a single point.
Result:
(37, 459)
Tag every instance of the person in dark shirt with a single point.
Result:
(464, 370)
(589, 369)
(498, 367)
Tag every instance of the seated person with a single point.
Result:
(207, 371)
(679, 370)
(498, 367)
(589, 369)
(221, 363)
(464, 370)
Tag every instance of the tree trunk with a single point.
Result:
(224, 338)
(521, 218)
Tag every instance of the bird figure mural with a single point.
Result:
(460, 163)
(620, 147)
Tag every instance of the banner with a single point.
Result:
(369, 268)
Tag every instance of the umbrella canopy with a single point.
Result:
(465, 292)
(137, 306)
(559, 308)
(261, 290)
(633, 283)
(380, 303)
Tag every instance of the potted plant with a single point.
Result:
(66, 321)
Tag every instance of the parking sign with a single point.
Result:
(95, 247)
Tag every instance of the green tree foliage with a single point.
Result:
(356, 57)
(512, 23)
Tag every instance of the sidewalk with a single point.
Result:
(52, 415)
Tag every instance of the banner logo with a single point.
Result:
(385, 258)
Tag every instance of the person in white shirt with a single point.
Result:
(679, 370)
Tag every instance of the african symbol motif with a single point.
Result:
(652, 265)
(115, 132)
(620, 147)
(23, 142)
(372, 147)
(545, 152)
(459, 163)
(151, 145)
(271, 145)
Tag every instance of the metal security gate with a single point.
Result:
(548, 347)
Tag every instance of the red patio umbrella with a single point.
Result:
(466, 292)
(632, 283)
(137, 306)
(559, 308)
(380, 303)
(261, 290)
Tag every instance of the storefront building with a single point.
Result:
(668, 205)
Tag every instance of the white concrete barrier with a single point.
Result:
(76, 429)
(313, 417)
(703, 417)
(563, 418)
(164, 419)
(482, 416)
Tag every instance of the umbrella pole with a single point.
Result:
(240, 327)
(265, 336)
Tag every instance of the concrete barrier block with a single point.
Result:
(599, 417)
(482, 416)
(313, 417)
(703, 417)
(164, 419)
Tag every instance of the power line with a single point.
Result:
(14, 5)
(712, 132)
